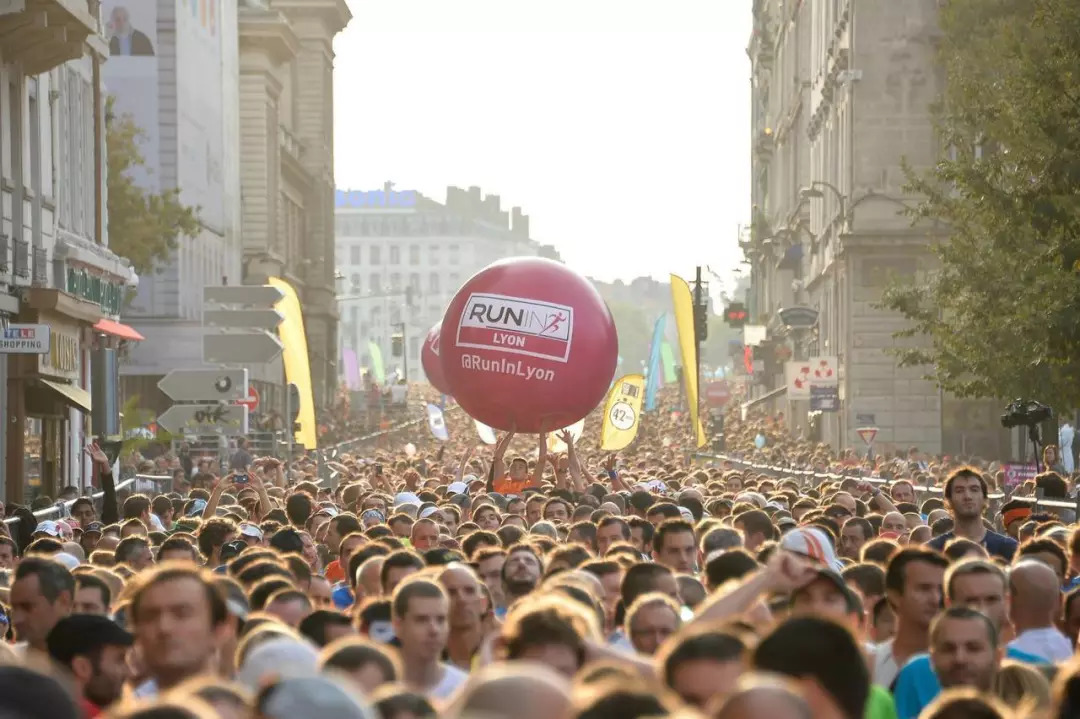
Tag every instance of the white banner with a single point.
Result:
(487, 434)
(437, 423)
(797, 379)
(556, 445)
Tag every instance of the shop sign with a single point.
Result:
(63, 358)
(105, 293)
(25, 339)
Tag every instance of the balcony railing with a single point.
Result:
(41, 267)
(289, 143)
(22, 258)
(5, 254)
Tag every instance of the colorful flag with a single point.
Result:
(376, 363)
(295, 356)
(652, 370)
(437, 423)
(684, 321)
(351, 366)
(667, 359)
(621, 413)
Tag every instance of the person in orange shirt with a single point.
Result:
(517, 480)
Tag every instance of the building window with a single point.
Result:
(395, 255)
(414, 254)
(455, 281)
(376, 255)
(433, 283)
(375, 283)
(395, 315)
(433, 251)
(414, 282)
(395, 282)
(354, 283)
(354, 255)
(454, 257)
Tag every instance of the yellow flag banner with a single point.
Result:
(295, 355)
(622, 412)
(684, 321)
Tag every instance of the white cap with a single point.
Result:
(403, 498)
(813, 543)
(427, 512)
(247, 529)
(68, 560)
(48, 527)
(457, 488)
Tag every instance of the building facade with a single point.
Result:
(55, 265)
(180, 88)
(287, 167)
(842, 96)
(402, 257)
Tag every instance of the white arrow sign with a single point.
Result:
(245, 295)
(226, 419)
(242, 349)
(192, 385)
(253, 319)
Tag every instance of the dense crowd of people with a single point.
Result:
(538, 580)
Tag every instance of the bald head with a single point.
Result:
(764, 697)
(524, 690)
(1034, 593)
(367, 577)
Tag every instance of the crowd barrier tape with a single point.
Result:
(342, 446)
(804, 476)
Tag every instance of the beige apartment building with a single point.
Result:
(841, 101)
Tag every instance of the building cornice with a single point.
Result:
(335, 14)
(269, 31)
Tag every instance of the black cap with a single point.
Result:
(230, 550)
(83, 634)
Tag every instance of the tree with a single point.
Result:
(1001, 309)
(143, 227)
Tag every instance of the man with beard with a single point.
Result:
(467, 609)
(965, 494)
(521, 572)
(94, 649)
(964, 649)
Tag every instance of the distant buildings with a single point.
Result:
(403, 256)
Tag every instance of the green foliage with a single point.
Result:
(635, 332)
(143, 227)
(1002, 308)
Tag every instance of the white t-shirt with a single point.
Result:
(452, 678)
(884, 669)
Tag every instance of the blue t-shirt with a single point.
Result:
(997, 545)
(341, 595)
(917, 685)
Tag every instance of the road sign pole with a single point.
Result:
(289, 425)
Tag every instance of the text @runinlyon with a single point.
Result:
(517, 368)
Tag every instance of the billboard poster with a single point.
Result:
(131, 78)
(200, 108)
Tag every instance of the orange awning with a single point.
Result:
(118, 329)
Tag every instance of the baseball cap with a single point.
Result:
(247, 529)
(312, 696)
(428, 511)
(48, 527)
(813, 543)
(83, 634)
(457, 488)
(834, 578)
(229, 550)
(94, 527)
(282, 656)
(404, 498)
(197, 508)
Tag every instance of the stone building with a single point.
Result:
(842, 93)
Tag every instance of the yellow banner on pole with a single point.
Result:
(622, 412)
(684, 321)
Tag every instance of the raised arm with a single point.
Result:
(541, 460)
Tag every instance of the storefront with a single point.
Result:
(46, 393)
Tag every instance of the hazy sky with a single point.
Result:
(620, 126)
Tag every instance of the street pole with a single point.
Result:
(404, 353)
(699, 320)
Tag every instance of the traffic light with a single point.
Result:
(397, 344)
(736, 315)
(701, 322)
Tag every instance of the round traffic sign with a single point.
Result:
(717, 394)
(252, 399)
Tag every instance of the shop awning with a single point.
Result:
(77, 397)
(118, 329)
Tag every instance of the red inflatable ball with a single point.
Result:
(527, 345)
(429, 360)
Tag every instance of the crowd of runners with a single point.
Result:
(464, 580)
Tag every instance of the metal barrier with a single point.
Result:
(340, 446)
(804, 476)
(63, 509)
